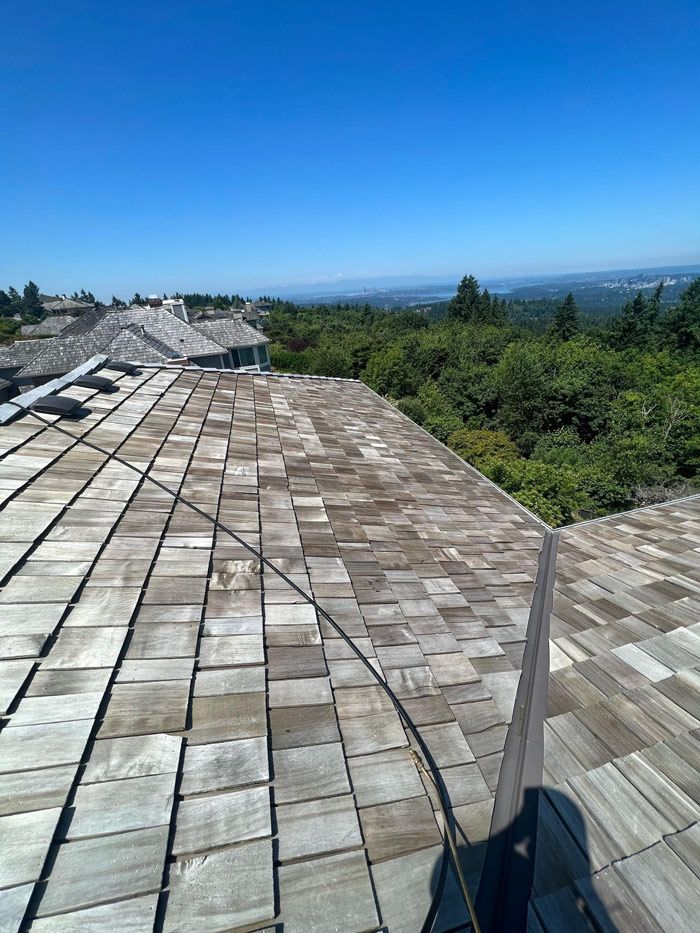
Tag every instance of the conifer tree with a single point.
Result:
(30, 300)
(636, 325)
(566, 322)
(466, 304)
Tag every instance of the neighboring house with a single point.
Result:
(255, 312)
(153, 335)
(247, 348)
(67, 306)
(184, 736)
(50, 326)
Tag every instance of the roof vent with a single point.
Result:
(101, 383)
(59, 405)
(121, 367)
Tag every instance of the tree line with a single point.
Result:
(27, 304)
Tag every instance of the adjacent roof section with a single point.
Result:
(96, 330)
(137, 345)
(231, 333)
(181, 734)
(22, 352)
(618, 829)
(67, 305)
(162, 336)
(50, 326)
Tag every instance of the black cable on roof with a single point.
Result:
(432, 770)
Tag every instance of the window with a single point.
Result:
(243, 356)
(262, 353)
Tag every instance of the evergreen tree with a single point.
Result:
(466, 304)
(16, 304)
(117, 302)
(485, 306)
(566, 322)
(499, 311)
(30, 300)
(655, 303)
(5, 304)
(137, 299)
(636, 325)
(682, 324)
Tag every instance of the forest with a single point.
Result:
(575, 416)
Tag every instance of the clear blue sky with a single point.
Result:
(227, 145)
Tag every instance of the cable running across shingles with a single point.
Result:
(448, 821)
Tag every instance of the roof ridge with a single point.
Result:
(139, 330)
(78, 329)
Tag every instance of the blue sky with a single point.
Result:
(230, 145)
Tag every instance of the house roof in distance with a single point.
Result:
(229, 332)
(183, 734)
(48, 327)
(97, 329)
(66, 305)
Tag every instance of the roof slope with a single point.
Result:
(231, 333)
(137, 345)
(618, 823)
(160, 687)
(67, 305)
(48, 327)
(22, 352)
(96, 330)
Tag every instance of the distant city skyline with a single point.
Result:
(210, 146)
(342, 286)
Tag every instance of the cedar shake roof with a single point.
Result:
(184, 739)
(67, 305)
(22, 352)
(50, 326)
(96, 330)
(622, 757)
(231, 333)
(164, 333)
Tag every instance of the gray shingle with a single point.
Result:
(231, 333)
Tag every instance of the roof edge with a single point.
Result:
(641, 508)
(245, 372)
(490, 482)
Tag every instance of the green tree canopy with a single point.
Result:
(481, 447)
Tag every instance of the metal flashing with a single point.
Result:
(506, 881)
